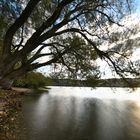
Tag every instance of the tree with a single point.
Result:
(48, 28)
(77, 62)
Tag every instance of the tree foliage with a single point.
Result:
(74, 63)
(31, 80)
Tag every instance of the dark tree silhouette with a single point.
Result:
(64, 32)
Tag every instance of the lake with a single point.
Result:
(73, 113)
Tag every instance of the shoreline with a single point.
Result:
(11, 98)
(22, 90)
(7, 96)
(10, 105)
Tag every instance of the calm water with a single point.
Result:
(72, 113)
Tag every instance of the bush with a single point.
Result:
(31, 80)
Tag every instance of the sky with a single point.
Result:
(138, 6)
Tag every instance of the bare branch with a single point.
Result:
(109, 18)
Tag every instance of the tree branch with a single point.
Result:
(17, 24)
(36, 39)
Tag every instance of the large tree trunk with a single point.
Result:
(6, 83)
(5, 68)
(8, 73)
(6, 79)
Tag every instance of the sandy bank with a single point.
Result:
(22, 90)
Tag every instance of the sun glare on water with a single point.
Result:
(100, 93)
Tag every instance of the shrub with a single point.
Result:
(31, 80)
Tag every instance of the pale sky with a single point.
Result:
(138, 6)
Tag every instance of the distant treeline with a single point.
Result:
(128, 82)
(36, 80)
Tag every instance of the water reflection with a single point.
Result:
(111, 120)
(134, 116)
(82, 114)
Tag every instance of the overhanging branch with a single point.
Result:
(17, 24)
